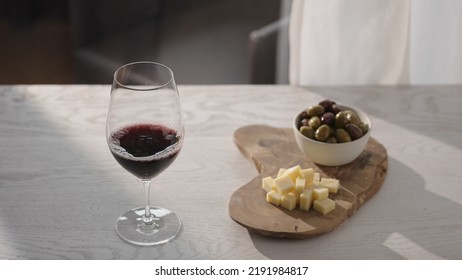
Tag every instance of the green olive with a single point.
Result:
(352, 117)
(340, 120)
(342, 136)
(314, 122)
(346, 117)
(308, 132)
(316, 110)
(364, 128)
(322, 133)
(331, 139)
(332, 131)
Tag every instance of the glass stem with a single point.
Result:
(148, 217)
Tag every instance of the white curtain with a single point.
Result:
(354, 42)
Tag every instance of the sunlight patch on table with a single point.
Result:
(407, 248)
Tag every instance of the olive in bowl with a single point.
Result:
(338, 138)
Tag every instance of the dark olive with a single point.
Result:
(308, 132)
(354, 131)
(327, 104)
(314, 122)
(342, 136)
(304, 122)
(316, 110)
(328, 118)
(334, 109)
(322, 133)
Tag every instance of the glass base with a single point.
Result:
(160, 228)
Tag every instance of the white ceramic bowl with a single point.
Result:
(332, 154)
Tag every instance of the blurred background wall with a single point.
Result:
(84, 41)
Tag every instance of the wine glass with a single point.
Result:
(145, 133)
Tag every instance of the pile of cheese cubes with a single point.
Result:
(303, 187)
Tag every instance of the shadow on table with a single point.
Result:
(383, 229)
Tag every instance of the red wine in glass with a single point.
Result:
(145, 150)
(144, 132)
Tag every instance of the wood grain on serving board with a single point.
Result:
(271, 148)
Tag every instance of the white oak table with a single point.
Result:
(61, 191)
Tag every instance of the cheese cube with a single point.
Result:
(274, 198)
(283, 185)
(293, 172)
(308, 175)
(289, 201)
(267, 183)
(331, 184)
(299, 185)
(297, 198)
(324, 206)
(320, 193)
(281, 171)
(316, 178)
(306, 199)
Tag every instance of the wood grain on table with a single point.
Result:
(61, 191)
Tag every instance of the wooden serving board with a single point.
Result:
(271, 148)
